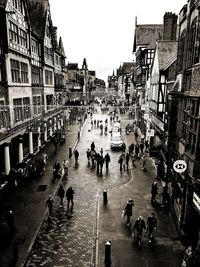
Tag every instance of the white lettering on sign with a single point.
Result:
(196, 200)
(180, 166)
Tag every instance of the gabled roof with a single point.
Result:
(38, 13)
(61, 47)
(147, 35)
(127, 67)
(167, 53)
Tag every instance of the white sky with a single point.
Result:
(102, 31)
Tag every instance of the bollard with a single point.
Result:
(78, 135)
(70, 151)
(105, 198)
(107, 253)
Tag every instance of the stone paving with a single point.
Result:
(68, 239)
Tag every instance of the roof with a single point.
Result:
(147, 35)
(37, 12)
(167, 53)
(127, 67)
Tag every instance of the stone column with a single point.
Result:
(21, 152)
(30, 143)
(45, 131)
(7, 158)
(51, 130)
(39, 140)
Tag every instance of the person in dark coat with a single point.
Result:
(101, 162)
(151, 225)
(154, 192)
(123, 147)
(131, 149)
(128, 210)
(88, 154)
(141, 147)
(121, 161)
(139, 227)
(61, 194)
(56, 170)
(107, 160)
(97, 161)
(137, 150)
(76, 156)
(127, 160)
(92, 146)
(70, 198)
(49, 204)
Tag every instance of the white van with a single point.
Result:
(116, 140)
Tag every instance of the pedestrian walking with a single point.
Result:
(76, 156)
(154, 192)
(121, 161)
(137, 150)
(92, 146)
(45, 158)
(70, 198)
(93, 157)
(188, 259)
(151, 225)
(97, 158)
(147, 146)
(107, 160)
(56, 170)
(88, 154)
(141, 147)
(138, 229)
(131, 149)
(127, 160)
(123, 147)
(65, 165)
(128, 211)
(143, 161)
(10, 219)
(61, 194)
(101, 151)
(101, 162)
(49, 204)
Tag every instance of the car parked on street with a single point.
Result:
(116, 140)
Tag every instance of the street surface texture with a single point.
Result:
(67, 239)
(78, 239)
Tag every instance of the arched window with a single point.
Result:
(192, 43)
(181, 46)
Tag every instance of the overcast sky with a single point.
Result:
(102, 31)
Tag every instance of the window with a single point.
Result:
(181, 46)
(15, 70)
(22, 38)
(14, 3)
(36, 76)
(48, 77)
(48, 53)
(35, 47)
(26, 107)
(18, 111)
(21, 109)
(3, 115)
(37, 109)
(49, 101)
(192, 44)
(13, 33)
(24, 73)
(19, 71)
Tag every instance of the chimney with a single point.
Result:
(170, 26)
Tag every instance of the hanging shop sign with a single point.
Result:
(179, 166)
(196, 201)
